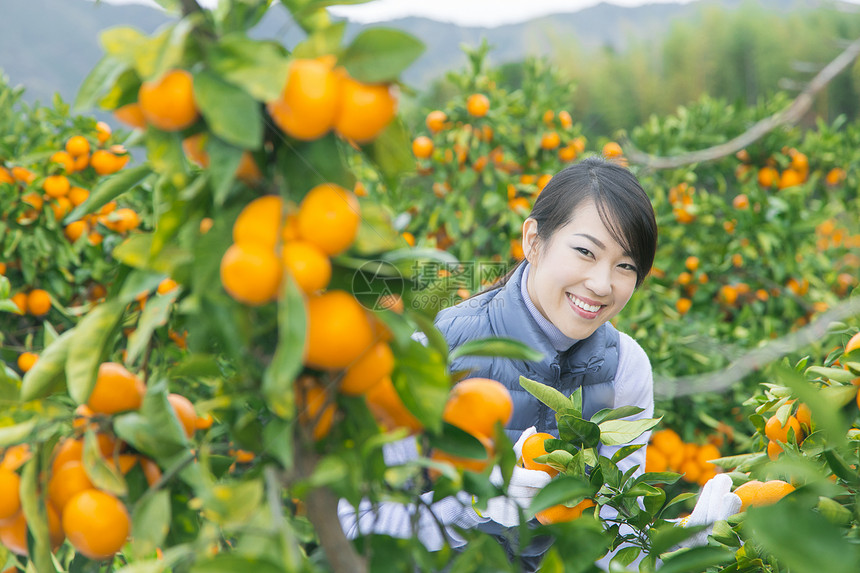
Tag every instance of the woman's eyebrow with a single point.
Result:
(594, 240)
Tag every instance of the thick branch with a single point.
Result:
(322, 511)
(790, 115)
(190, 7)
(757, 359)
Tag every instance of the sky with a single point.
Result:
(483, 13)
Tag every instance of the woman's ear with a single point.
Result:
(530, 239)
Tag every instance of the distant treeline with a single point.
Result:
(741, 54)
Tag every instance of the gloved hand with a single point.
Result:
(716, 502)
(524, 485)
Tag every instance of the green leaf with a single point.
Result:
(803, 540)
(230, 112)
(122, 43)
(236, 564)
(391, 151)
(136, 252)
(619, 432)
(497, 346)
(155, 56)
(834, 512)
(457, 442)
(150, 523)
(224, 160)
(155, 314)
(109, 189)
(322, 42)
(837, 374)
(287, 361)
(625, 451)
(89, 348)
(622, 412)
(582, 433)
(546, 394)
(260, 67)
(696, 559)
(568, 490)
(36, 516)
(11, 435)
(380, 54)
(103, 475)
(48, 373)
(422, 381)
(98, 82)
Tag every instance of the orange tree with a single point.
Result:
(56, 260)
(129, 448)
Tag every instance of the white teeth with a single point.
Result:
(581, 304)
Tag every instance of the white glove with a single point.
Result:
(524, 485)
(716, 502)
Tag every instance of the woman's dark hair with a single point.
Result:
(622, 204)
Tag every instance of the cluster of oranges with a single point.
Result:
(94, 521)
(683, 205)
(668, 452)
(798, 425)
(319, 97)
(769, 176)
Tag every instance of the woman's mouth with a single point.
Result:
(583, 308)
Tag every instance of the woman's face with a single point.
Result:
(582, 277)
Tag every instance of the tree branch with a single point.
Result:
(189, 7)
(756, 359)
(790, 115)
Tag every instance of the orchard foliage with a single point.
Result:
(250, 349)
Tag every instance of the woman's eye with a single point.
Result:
(628, 267)
(583, 251)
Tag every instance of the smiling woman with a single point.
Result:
(589, 242)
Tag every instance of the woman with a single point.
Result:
(589, 242)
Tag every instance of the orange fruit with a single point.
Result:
(369, 369)
(6, 176)
(56, 186)
(655, 460)
(757, 494)
(34, 200)
(365, 109)
(339, 330)
(38, 302)
(77, 145)
(194, 148)
(68, 481)
(168, 103)
(741, 202)
(13, 534)
(476, 405)
(804, 418)
(692, 263)
(314, 407)
(773, 450)
(329, 217)
(185, 412)
(10, 497)
(478, 105)
(667, 441)
(260, 222)
(533, 447)
(61, 207)
(15, 456)
(728, 294)
(151, 471)
(307, 264)
(26, 360)
(308, 105)
(131, 115)
(566, 121)
(123, 220)
(251, 273)
(562, 513)
(116, 390)
(706, 453)
(388, 408)
(853, 343)
(683, 305)
(20, 300)
(691, 470)
(166, 286)
(550, 140)
(612, 150)
(83, 416)
(96, 523)
(23, 175)
(77, 195)
(422, 147)
(567, 153)
(103, 132)
(435, 121)
(834, 177)
(789, 178)
(768, 176)
(777, 432)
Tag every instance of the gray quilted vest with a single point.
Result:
(590, 363)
